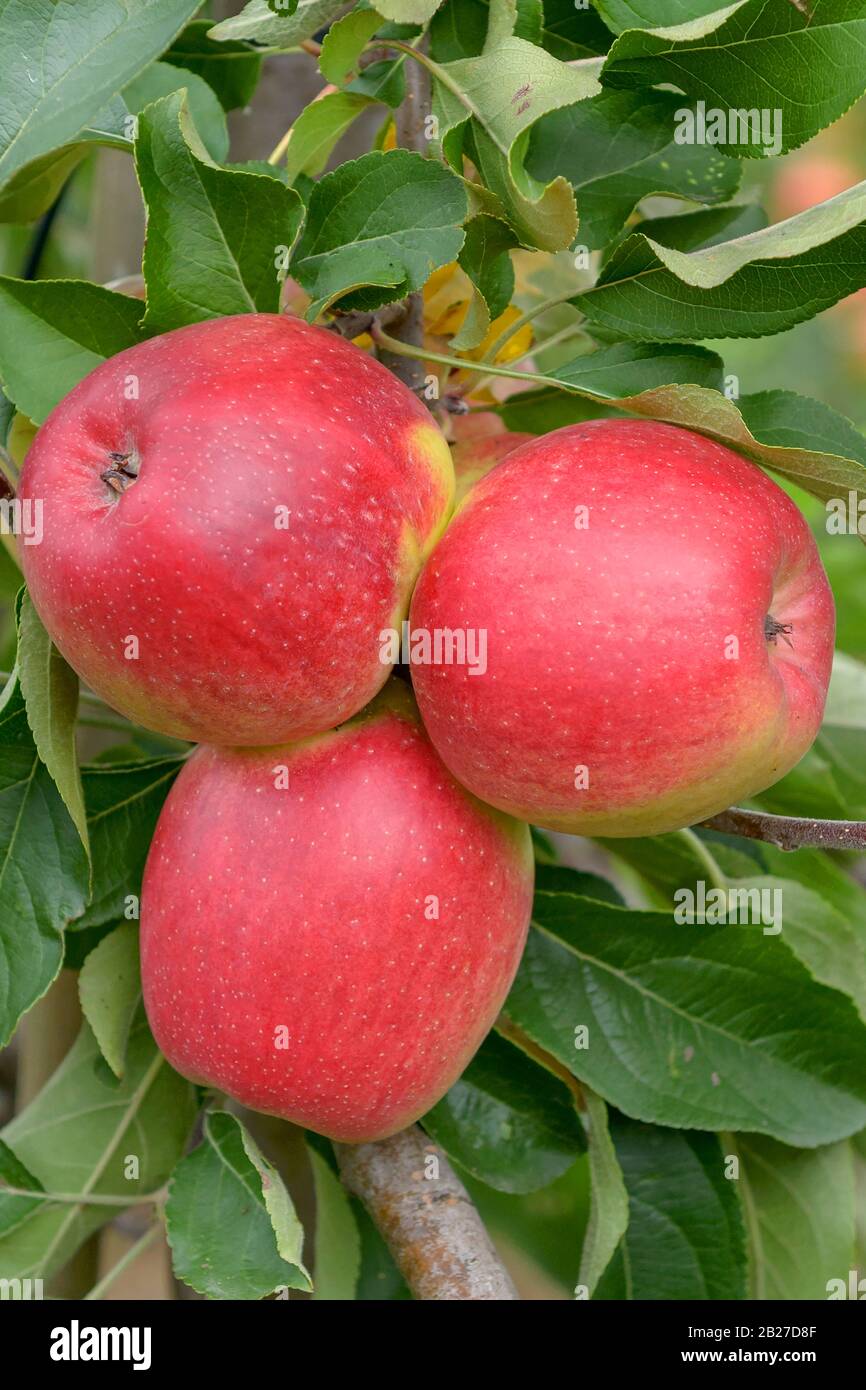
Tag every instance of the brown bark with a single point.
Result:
(426, 1217)
(790, 832)
(411, 135)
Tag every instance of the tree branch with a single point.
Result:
(790, 832)
(409, 119)
(352, 323)
(426, 1217)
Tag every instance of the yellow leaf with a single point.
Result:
(446, 299)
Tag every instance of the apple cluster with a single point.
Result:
(236, 516)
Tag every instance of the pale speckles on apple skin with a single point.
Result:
(235, 418)
(304, 907)
(606, 645)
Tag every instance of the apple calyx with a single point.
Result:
(123, 471)
(773, 630)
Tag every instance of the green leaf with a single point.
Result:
(384, 81)
(13, 1171)
(458, 30)
(620, 15)
(408, 11)
(231, 69)
(15, 1210)
(830, 781)
(830, 944)
(79, 1136)
(213, 235)
(800, 1216)
(501, 22)
(558, 878)
(668, 1039)
(754, 285)
(344, 43)
(53, 332)
(31, 192)
(318, 128)
(7, 416)
(229, 1219)
(123, 803)
(539, 412)
(486, 260)
(50, 689)
(630, 370)
(507, 1121)
(337, 1246)
(820, 909)
(109, 986)
(692, 231)
(259, 23)
(33, 189)
(43, 867)
(830, 940)
(801, 439)
(505, 91)
(608, 1211)
(766, 55)
(528, 23)
(383, 220)
(160, 80)
(570, 33)
(685, 1237)
(67, 69)
(619, 147)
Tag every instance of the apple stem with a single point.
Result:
(476, 379)
(773, 630)
(121, 472)
(426, 1218)
(790, 832)
(699, 849)
(392, 345)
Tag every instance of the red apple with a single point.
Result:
(659, 631)
(809, 177)
(476, 424)
(233, 511)
(474, 458)
(328, 930)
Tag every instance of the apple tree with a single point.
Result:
(536, 215)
